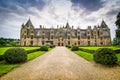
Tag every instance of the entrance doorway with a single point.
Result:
(58, 44)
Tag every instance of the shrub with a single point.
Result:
(52, 46)
(15, 55)
(33, 50)
(43, 48)
(105, 56)
(68, 46)
(117, 51)
(75, 48)
(1, 57)
(87, 50)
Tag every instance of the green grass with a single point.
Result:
(95, 48)
(3, 49)
(89, 56)
(5, 68)
(85, 55)
(118, 56)
(34, 55)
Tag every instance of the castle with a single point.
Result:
(61, 36)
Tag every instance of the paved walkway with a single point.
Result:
(62, 64)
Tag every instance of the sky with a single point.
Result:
(50, 13)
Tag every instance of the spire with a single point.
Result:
(67, 25)
(103, 24)
(29, 23)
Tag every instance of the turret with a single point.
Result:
(104, 25)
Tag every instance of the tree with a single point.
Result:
(118, 21)
(116, 40)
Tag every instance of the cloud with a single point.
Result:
(89, 5)
(50, 13)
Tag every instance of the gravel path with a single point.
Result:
(62, 64)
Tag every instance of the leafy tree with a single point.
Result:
(116, 40)
(8, 42)
(118, 21)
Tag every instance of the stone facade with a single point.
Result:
(98, 36)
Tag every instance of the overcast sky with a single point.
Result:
(82, 13)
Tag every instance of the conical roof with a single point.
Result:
(103, 24)
(67, 25)
(29, 23)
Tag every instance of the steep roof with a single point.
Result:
(103, 24)
(29, 23)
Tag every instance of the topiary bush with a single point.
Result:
(1, 57)
(68, 46)
(52, 46)
(15, 55)
(43, 48)
(75, 48)
(105, 56)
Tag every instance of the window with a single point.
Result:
(58, 39)
(78, 37)
(42, 37)
(51, 37)
(78, 42)
(89, 43)
(88, 33)
(88, 37)
(42, 42)
(68, 37)
(31, 42)
(31, 31)
(31, 36)
(51, 31)
(101, 43)
(68, 42)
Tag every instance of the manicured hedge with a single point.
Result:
(68, 46)
(105, 56)
(33, 50)
(43, 48)
(52, 46)
(87, 50)
(75, 48)
(1, 57)
(117, 51)
(15, 55)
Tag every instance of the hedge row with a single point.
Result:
(87, 50)
(42, 48)
(92, 51)
(117, 51)
(33, 50)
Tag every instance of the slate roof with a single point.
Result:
(29, 23)
(83, 32)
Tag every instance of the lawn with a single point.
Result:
(85, 55)
(3, 49)
(5, 68)
(95, 48)
(89, 56)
